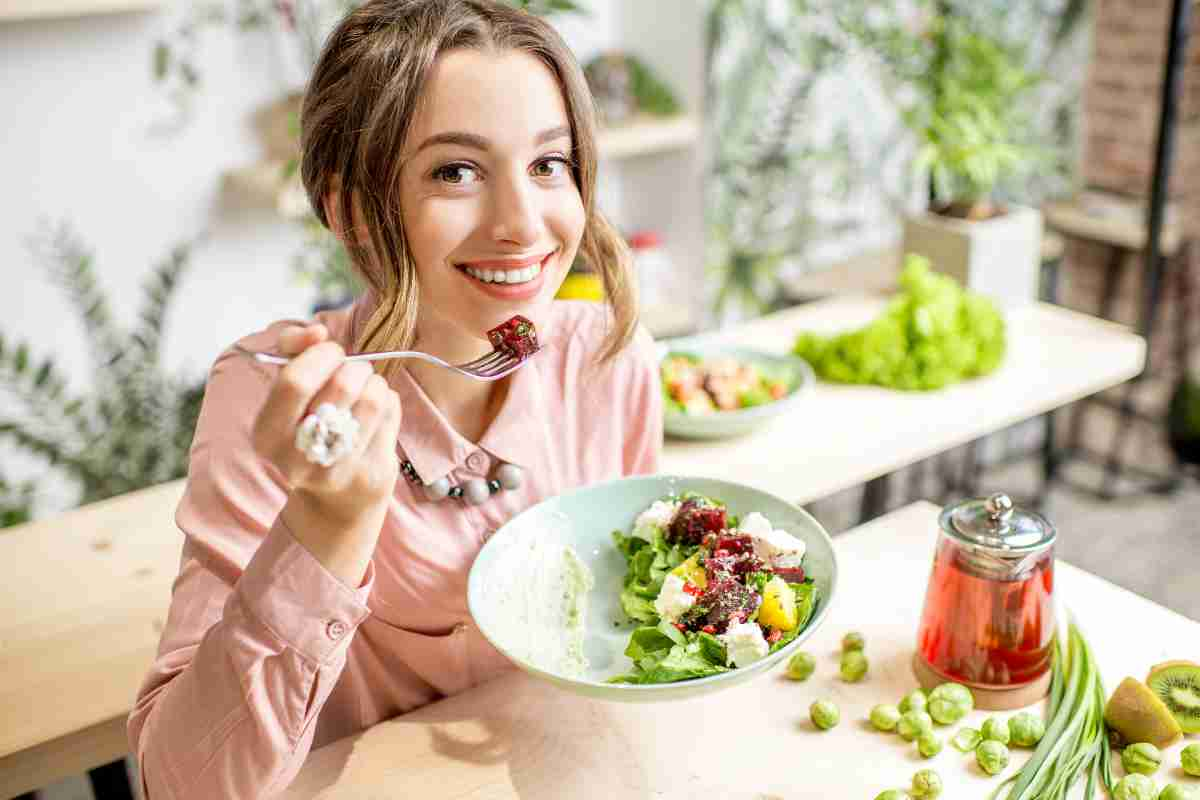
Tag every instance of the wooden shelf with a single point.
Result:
(1110, 219)
(646, 135)
(16, 10)
(264, 183)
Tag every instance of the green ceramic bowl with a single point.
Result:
(586, 518)
(722, 424)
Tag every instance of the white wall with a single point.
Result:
(79, 111)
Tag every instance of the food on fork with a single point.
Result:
(517, 337)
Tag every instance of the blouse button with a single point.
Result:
(477, 461)
(336, 629)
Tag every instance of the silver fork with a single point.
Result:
(489, 367)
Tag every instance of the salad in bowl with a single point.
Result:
(712, 592)
(712, 390)
(652, 588)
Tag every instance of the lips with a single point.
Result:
(509, 279)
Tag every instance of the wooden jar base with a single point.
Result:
(988, 698)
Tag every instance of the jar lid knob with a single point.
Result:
(999, 509)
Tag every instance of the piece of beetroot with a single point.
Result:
(517, 337)
(693, 520)
(790, 574)
(728, 600)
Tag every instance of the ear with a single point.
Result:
(331, 203)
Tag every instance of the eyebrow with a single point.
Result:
(480, 143)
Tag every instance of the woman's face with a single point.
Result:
(489, 204)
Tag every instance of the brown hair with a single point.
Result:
(357, 111)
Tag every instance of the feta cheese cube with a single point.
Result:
(755, 523)
(744, 644)
(658, 515)
(672, 600)
(779, 549)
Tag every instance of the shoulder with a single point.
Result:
(579, 329)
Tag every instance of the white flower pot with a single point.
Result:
(998, 257)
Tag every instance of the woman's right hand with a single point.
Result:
(335, 511)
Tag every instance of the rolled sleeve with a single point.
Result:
(284, 584)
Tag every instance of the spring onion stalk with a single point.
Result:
(1076, 740)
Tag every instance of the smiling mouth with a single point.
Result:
(509, 277)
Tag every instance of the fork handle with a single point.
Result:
(268, 358)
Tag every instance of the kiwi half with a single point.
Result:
(1137, 715)
(1177, 684)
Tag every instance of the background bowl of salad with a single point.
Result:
(654, 588)
(712, 390)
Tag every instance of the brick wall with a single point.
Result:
(1121, 99)
(1120, 124)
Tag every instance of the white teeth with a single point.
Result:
(501, 276)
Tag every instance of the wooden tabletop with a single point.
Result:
(518, 737)
(84, 593)
(841, 436)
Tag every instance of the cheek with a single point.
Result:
(436, 227)
(567, 219)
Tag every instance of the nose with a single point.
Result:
(516, 212)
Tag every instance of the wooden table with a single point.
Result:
(84, 592)
(842, 436)
(82, 600)
(520, 738)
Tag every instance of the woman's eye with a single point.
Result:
(456, 174)
(551, 167)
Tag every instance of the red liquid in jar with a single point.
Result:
(982, 629)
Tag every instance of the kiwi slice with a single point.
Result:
(1177, 684)
(1137, 715)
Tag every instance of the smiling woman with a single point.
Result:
(450, 144)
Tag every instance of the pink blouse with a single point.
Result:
(265, 654)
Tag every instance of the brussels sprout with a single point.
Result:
(854, 666)
(929, 745)
(885, 717)
(913, 701)
(1190, 757)
(950, 702)
(1142, 758)
(994, 729)
(926, 785)
(801, 667)
(892, 794)
(853, 641)
(1025, 729)
(966, 740)
(992, 756)
(1173, 791)
(1134, 787)
(913, 724)
(825, 714)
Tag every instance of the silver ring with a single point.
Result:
(327, 434)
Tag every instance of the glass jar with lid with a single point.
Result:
(989, 617)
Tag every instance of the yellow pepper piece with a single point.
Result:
(692, 572)
(778, 608)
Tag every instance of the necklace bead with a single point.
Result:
(473, 492)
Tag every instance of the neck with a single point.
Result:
(467, 404)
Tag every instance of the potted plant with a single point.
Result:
(133, 427)
(971, 120)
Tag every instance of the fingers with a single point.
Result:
(295, 339)
(371, 409)
(343, 387)
(292, 394)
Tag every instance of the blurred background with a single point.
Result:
(757, 154)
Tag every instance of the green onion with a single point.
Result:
(1076, 740)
